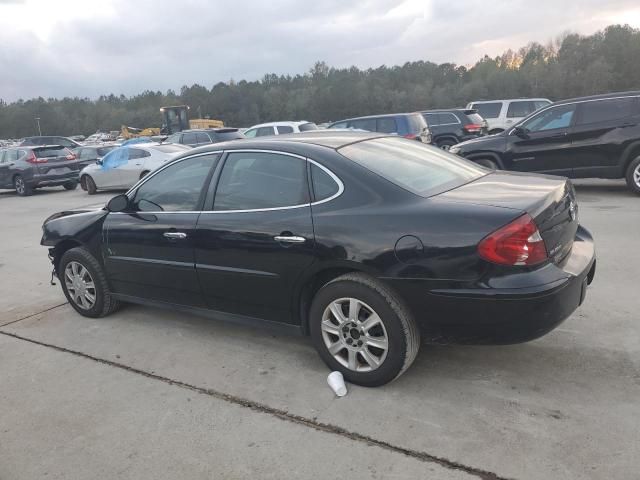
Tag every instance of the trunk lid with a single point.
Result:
(549, 200)
(54, 160)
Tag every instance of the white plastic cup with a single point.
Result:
(336, 382)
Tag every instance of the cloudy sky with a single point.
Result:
(89, 47)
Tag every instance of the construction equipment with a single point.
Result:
(205, 123)
(174, 119)
(131, 132)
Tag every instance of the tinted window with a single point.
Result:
(488, 110)
(11, 156)
(305, 127)
(368, 124)
(386, 125)
(189, 139)
(323, 185)
(50, 152)
(520, 109)
(224, 136)
(202, 138)
(447, 118)
(605, 110)
(264, 131)
(413, 166)
(251, 133)
(102, 151)
(339, 125)
(177, 187)
(175, 138)
(137, 153)
(432, 119)
(87, 153)
(282, 129)
(552, 118)
(261, 180)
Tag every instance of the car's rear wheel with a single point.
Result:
(633, 176)
(22, 188)
(70, 185)
(85, 284)
(90, 184)
(446, 143)
(361, 329)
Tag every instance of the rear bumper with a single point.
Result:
(47, 180)
(506, 315)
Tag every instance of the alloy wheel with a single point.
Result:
(636, 176)
(354, 335)
(80, 285)
(19, 184)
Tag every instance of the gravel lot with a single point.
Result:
(148, 393)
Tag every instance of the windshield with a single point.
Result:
(416, 167)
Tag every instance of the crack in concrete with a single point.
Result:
(275, 412)
(33, 314)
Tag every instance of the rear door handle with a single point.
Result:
(175, 235)
(289, 239)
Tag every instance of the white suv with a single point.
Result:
(501, 114)
(279, 128)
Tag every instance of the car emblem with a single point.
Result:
(573, 210)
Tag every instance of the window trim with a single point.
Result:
(216, 177)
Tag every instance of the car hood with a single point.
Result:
(77, 224)
(488, 142)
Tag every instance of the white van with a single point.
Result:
(501, 114)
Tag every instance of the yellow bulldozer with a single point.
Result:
(174, 119)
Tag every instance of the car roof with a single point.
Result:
(509, 100)
(632, 93)
(216, 130)
(376, 116)
(275, 124)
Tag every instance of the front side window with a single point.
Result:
(202, 138)
(368, 124)
(256, 180)
(251, 133)
(176, 188)
(605, 110)
(488, 110)
(551, 119)
(520, 109)
(413, 166)
(189, 139)
(282, 129)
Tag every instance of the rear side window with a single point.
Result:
(137, 153)
(282, 129)
(432, 119)
(176, 188)
(368, 124)
(447, 118)
(254, 180)
(386, 125)
(412, 165)
(189, 139)
(203, 138)
(11, 156)
(305, 127)
(520, 109)
(605, 110)
(264, 131)
(324, 186)
(488, 110)
(102, 151)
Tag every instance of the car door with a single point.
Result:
(130, 172)
(254, 244)
(542, 143)
(149, 250)
(600, 134)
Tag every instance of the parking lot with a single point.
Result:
(159, 394)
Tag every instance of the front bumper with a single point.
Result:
(496, 316)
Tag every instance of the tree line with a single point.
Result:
(573, 65)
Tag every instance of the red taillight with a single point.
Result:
(473, 128)
(33, 159)
(411, 136)
(71, 156)
(518, 243)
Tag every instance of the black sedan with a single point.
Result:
(368, 243)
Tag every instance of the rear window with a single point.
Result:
(475, 118)
(488, 110)
(305, 127)
(49, 152)
(224, 136)
(169, 148)
(418, 168)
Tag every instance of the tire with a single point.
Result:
(485, 162)
(633, 176)
(446, 143)
(77, 269)
(22, 188)
(70, 185)
(91, 185)
(144, 174)
(396, 325)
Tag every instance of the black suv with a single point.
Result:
(588, 137)
(197, 138)
(27, 168)
(407, 125)
(455, 125)
(50, 140)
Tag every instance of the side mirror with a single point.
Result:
(119, 203)
(520, 132)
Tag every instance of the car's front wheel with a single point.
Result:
(84, 284)
(633, 176)
(361, 329)
(90, 185)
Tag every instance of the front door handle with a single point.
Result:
(289, 239)
(175, 235)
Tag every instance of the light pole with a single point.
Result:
(38, 121)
